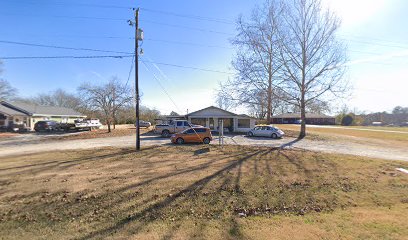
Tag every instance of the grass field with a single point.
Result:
(397, 137)
(187, 192)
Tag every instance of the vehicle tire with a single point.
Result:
(166, 133)
(274, 136)
(250, 134)
(180, 141)
(206, 141)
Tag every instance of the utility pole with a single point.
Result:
(137, 78)
(138, 36)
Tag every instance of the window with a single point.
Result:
(200, 130)
(179, 124)
(199, 121)
(243, 123)
(186, 124)
(189, 131)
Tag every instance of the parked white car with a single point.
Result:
(266, 131)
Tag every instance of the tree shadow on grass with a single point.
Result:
(149, 212)
(218, 182)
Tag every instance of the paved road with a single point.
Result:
(29, 145)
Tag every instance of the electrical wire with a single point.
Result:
(74, 4)
(60, 47)
(65, 57)
(186, 43)
(130, 71)
(186, 27)
(218, 20)
(161, 85)
(188, 67)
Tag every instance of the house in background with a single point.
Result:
(26, 114)
(311, 118)
(209, 117)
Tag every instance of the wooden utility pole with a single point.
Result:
(137, 78)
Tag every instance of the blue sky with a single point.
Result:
(373, 30)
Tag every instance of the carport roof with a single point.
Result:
(9, 111)
(33, 109)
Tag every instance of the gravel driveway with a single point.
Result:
(32, 144)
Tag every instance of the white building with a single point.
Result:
(210, 116)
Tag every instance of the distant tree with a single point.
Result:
(107, 99)
(126, 115)
(58, 98)
(400, 110)
(7, 92)
(174, 114)
(223, 100)
(347, 120)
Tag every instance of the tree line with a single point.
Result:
(112, 102)
(288, 57)
(397, 117)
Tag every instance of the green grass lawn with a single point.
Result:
(178, 192)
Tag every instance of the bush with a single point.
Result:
(347, 120)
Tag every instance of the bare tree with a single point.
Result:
(107, 98)
(256, 58)
(223, 100)
(58, 98)
(312, 57)
(7, 92)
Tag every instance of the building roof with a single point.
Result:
(33, 109)
(9, 111)
(224, 113)
(297, 115)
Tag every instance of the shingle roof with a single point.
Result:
(212, 107)
(10, 111)
(297, 115)
(220, 109)
(33, 109)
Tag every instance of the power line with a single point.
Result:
(186, 27)
(188, 67)
(130, 71)
(218, 20)
(65, 16)
(66, 57)
(378, 44)
(77, 4)
(161, 86)
(187, 43)
(60, 47)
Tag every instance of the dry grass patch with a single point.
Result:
(316, 133)
(173, 192)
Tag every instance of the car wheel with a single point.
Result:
(206, 140)
(180, 141)
(274, 136)
(166, 133)
(250, 134)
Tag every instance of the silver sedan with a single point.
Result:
(266, 131)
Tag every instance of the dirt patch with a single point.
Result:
(7, 135)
